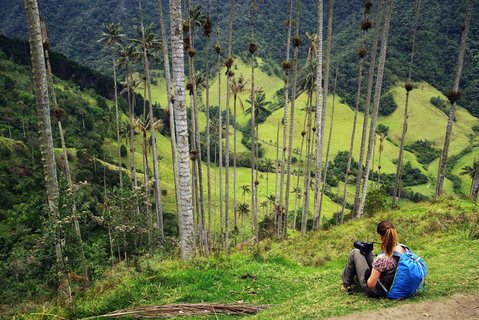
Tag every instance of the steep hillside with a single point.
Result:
(425, 122)
(438, 36)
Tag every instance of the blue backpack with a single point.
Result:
(410, 274)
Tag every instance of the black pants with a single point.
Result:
(357, 266)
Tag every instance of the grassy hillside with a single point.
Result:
(299, 278)
(422, 112)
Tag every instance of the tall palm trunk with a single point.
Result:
(303, 134)
(228, 63)
(185, 214)
(310, 134)
(351, 145)
(166, 62)
(207, 31)
(475, 183)
(286, 67)
(235, 226)
(46, 141)
(377, 96)
(319, 112)
(131, 108)
(252, 50)
(146, 180)
(372, 67)
(453, 97)
(297, 42)
(220, 121)
(117, 122)
(53, 97)
(362, 54)
(408, 86)
(327, 60)
(328, 148)
(276, 163)
(156, 171)
(196, 132)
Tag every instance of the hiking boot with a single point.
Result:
(347, 289)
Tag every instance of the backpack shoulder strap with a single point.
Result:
(399, 254)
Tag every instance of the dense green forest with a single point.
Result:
(438, 35)
(239, 175)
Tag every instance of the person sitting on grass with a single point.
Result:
(375, 273)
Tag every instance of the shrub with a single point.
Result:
(123, 151)
(387, 104)
(440, 104)
(424, 151)
(5, 152)
(381, 128)
(376, 200)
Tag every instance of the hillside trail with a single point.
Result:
(457, 307)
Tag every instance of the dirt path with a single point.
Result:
(457, 307)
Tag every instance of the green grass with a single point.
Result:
(300, 277)
(422, 112)
(426, 121)
(467, 160)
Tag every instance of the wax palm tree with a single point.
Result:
(245, 189)
(408, 86)
(195, 19)
(126, 56)
(142, 125)
(261, 105)
(365, 24)
(271, 199)
(243, 210)
(307, 84)
(229, 74)
(454, 95)
(220, 123)
(149, 43)
(58, 116)
(264, 205)
(286, 68)
(470, 171)
(237, 86)
(377, 96)
(319, 113)
(382, 137)
(171, 109)
(207, 29)
(111, 37)
(475, 183)
(327, 59)
(328, 148)
(296, 43)
(371, 73)
(43, 112)
(185, 214)
(268, 166)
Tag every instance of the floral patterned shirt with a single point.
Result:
(387, 266)
(384, 263)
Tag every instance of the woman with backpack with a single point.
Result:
(377, 274)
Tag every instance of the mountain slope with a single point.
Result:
(438, 36)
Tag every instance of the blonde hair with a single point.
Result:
(389, 235)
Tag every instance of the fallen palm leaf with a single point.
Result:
(174, 310)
